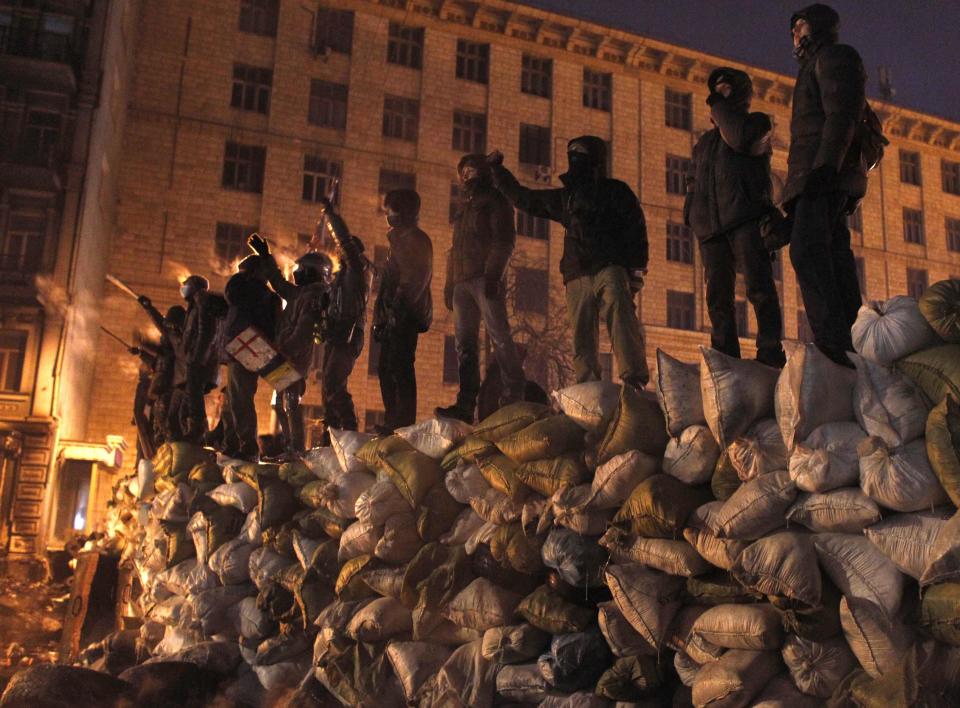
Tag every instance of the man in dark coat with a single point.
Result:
(484, 235)
(161, 382)
(826, 176)
(146, 352)
(727, 194)
(604, 255)
(404, 308)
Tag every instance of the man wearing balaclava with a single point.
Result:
(484, 235)
(728, 191)
(604, 255)
(826, 176)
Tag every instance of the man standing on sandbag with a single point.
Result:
(161, 381)
(404, 308)
(604, 255)
(484, 235)
(728, 192)
(826, 176)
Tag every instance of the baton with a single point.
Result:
(116, 282)
(126, 346)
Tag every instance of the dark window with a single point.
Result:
(243, 167)
(333, 30)
(861, 274)
(13, 349)
(606, 366)
(473, 61)
(451, 365)
(597, 90)
(531, 290)
(536, 76)
(328, 104)
(679, 243)
(950, 175)
(804, 333)
(405, 46)
(677, 109)
(371, 419)
(532, 226)
(469, 132)
(230, 242)
(373, 355)
(743, 322)
(913, 226)
(400, 116)
(909, 167)
(917, 282)
(677, 169)
(21, 243)
(393, 179)
(454, 201)
(855, 221)
(318, 176)
(251, 88)
(680, 310)
(535, 145)
(259, 17)
(953, 234)
(40, 142)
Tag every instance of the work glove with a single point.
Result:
(492, 288)
(636, 276)
(448, 297)
(144, 301)
(820, 181)
(258, 245)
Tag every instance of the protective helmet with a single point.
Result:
(250, 264)
(192, 285)
(312, 268)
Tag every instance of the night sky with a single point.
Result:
(916, 39)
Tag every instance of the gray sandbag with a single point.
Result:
(756, 627)
(721, 552)
(692, 456)
(647, 598)
(759, 451)
(818, 667)
(231, 562)
(54, 686)
(736, 393)
(514, 644)
(415, 662)
(590, 404)
(578, 559)
(846, 510)
(466, 679)
(828, 458)
(631, 679)
(575, 661)
(860, 570)
(678, 391)
(579, 699)
(756, 508)
(735, 679)
(886, 331)
(616, 478)
(888, 404)
(782, 565)
(686, 668)
(482, 605)
(380, 620)
(621, 637)
(908, 539)
(254, 623)
(899, 479)
(521, 683)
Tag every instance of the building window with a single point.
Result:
(917, 282)
(259, 17)
(679, 243)
(251, 88)
(328, 104)
(451, 364)
(532, 226)
(677, 109)
(473, 61)
(536, 76)
(469, 132)
(680, 310)
(230, 242)
(454, 201)
(13, 349)
(405, 46)
(243, 167)
(318, 176)
(677, 170)
(21, 243)
(597, 90)
(861, 274)
(400, 118)
(333, 31)
(40, 142)
(913, 226)
(743, 322)
(531, 292)
(855, 221)
(394, 179)
(371, 419)
(909, 167)
(950, 174)
(953, 234)
(535, 145)
(804, 333)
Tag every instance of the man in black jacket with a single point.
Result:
(604, 255)
(484, 235)
(404, 308)
(826, 176)
(161, 381)
(727, 194)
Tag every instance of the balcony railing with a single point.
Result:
(38, 44)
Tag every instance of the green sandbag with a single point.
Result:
(725, 480)
(223, 524)
(468, 451)
(512, 547)
(940, 305)
(549, 476)
(501, 474)
(630, 679)
(296, 473)
(413, 474)
(943, 445)
(548, 611)
(936, 371)
(638, 424)
(206, 472)
(175, 459)
(547, 437)
(940, 612)
(659, 506)
(350, 585)
(276, 501)
(437, 513)
(509, 420)
(372, 452)
(179, 542)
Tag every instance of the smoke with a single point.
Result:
(178, 270)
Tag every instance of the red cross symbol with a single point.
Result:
(246, 344)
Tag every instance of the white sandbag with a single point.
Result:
(692, 457)
(617, 477)
(621, 637)
(435, 437)
(482, 605)
(756, 508)
(145, 479)
(678, 390)
(908, 539)
(647, 598)
(175, 611)
(886, 331)
(239, 495)
(756, 627)
(358, 538)
(380, 620)
(584, 521)
(174, 505)
(379, 502)
(812, 390)
(323, 462)
(187, 578)
(346, 444)
(899, 479)
(231, 562)
(415, 662)
(736, 394)
(846, 510)
(759, 451)
(878, 640)
(339, 496)
(888, 404)
(399, 541)
(818, 667)
(943, 563)
(860, 570)
(465, 526)
(465, 482)
(828, 458)
(782, 565)
(496, 507)
(276, 677)
(589, 404)
(721, 552)
(735, 679)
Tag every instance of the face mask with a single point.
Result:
(185, 292)
(579, 164)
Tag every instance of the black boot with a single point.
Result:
(456, 411)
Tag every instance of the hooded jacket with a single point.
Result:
(484, 234)
(729, 184)
(604, 224)
(251, 304)
(405, 285)
(828, 102)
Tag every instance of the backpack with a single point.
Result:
(871, 138)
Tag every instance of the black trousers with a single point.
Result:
(146, 443)
(826, 269)
(338, 361)
(721, 255)
(398, 376)
(240, 412)
(290, 415)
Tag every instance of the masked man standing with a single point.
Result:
(727, 194)
(604, 255)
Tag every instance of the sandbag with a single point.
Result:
(828, 458)
(721, 552)
(547, 611)
(54, 686)
(759, 451)
(756, 627)
(578, 559)
(482, 605)
(780, 692)
(413, 473)
(464, 482)
(379, 620)
(940, 307)
(575, 661)
(671, 557)
(736, 393)
(513, 644)
(296, 473)
(878, 641)
(637, 424)
(783, 565)
(860, 570)
(175, 460)
(659, 506)
(496, 507)
(466, 679)
(323, 462)
(399, 541)
(818, 667)
(467, 451)
(186, 578)
(817, 623)
(943, 445)
(886, 331)
(238, 495)
(231, 562)
(899, 479)
(940, 612)
(590, 404)
(515, 548)
(846, 510)
(811, 391)
(254, 623)
(908, 539)
(545, 438)
(549, 476)
(359, 539)
(578, 699)
(686, 668)
(692, 457)
(887, 404)
(756, 508)
(339, 496)
(647, 598)
(346, 444)
(735, 679)
(415, 662)
(508, 420)
(435, 437)
(466, 525)
(621, 637)
(944, 556)
(379, 502)
(501, 474)
(265, 564)
(936, 371)
(436, 514)
(678, 391)
(522, 683)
